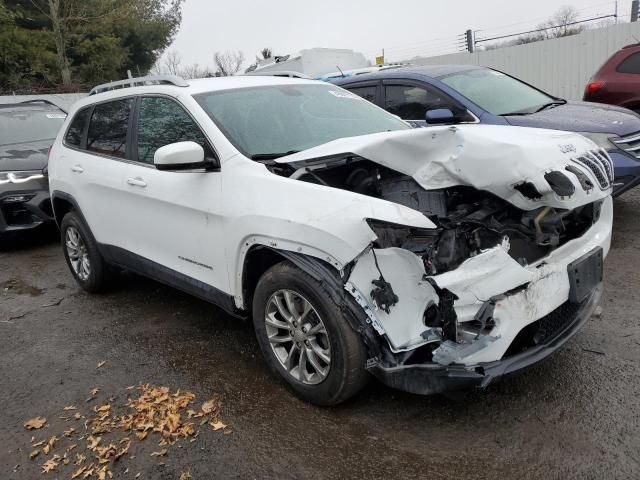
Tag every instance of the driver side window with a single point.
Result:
(162, 121)
(410, 102)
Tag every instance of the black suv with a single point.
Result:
(27, 130)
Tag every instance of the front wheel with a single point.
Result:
(305, 338)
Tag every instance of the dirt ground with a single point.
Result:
(576, 416)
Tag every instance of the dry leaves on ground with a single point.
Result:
(155, 412)
(35, 423)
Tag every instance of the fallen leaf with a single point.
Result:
(49, 465)
(160, 453)
(94, 391)
(38, 444)
(71, 447)
(35, 423)
(185, 476)
(141, 435)
(70, 407)
(209, 406)
(137, 476)
(101, 363)
(173, 421)
(217, 425)
(78, 472)
(34, 454)
(67, 433)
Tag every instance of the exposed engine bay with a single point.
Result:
(484, 281)
(468, 220)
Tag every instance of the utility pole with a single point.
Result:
(634, 10)
(471, 44)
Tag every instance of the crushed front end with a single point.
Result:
(510, 272)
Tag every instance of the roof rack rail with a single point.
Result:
(139, 82)
(279, 73)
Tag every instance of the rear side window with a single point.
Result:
(162, 121)
(631, 64)
(368, 93)
(108, 128)
(76, 129)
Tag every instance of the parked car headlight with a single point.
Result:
(603, 140)
(20, 177)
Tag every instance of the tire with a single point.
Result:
(345, 374)
(93, 274)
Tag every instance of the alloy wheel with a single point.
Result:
(298, 337)
(77, 253)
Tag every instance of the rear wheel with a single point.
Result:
(305, 338)
(87, 266)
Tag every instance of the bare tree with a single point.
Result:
(228, 63)
(172, 63)
(266, 53)
(560, 24)
(194, 71)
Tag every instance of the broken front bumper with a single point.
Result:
(430, 378)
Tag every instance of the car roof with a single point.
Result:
(30, 105)
(196, 86)
(412, 71)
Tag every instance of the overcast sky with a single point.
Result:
(405, 28)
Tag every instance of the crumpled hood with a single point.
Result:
(24, 156)
(487, 157)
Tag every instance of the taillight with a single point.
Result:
(593, 87)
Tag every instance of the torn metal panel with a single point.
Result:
(486, 157)
(403, 325)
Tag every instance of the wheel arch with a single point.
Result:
(259, 258)
(63, 203)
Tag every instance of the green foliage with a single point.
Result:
(93, 41)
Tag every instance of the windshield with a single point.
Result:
(279, 119)
(29, 125)
(496, 92)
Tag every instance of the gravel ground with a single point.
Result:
(577, 415)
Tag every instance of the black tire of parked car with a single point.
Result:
(101, 274)
(347, 374)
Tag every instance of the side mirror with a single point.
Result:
(179, 156)
(439, 116)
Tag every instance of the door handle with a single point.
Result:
(137, 182)
(77, 169)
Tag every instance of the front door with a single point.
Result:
(175, 218)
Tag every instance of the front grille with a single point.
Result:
(544, 329)
(630, 143)
(600, 165)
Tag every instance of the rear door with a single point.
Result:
(175, 216)
(93, 166)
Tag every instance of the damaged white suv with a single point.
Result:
(432, 259)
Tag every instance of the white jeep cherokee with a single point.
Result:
(434, 258)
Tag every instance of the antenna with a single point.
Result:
(340, 70)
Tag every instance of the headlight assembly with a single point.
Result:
(20, 177)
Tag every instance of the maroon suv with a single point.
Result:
(618, 80)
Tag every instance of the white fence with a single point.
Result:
(561, 66)
(63, 100)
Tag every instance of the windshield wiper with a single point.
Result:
(272, 156)
(539, 109)
(555, 103)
